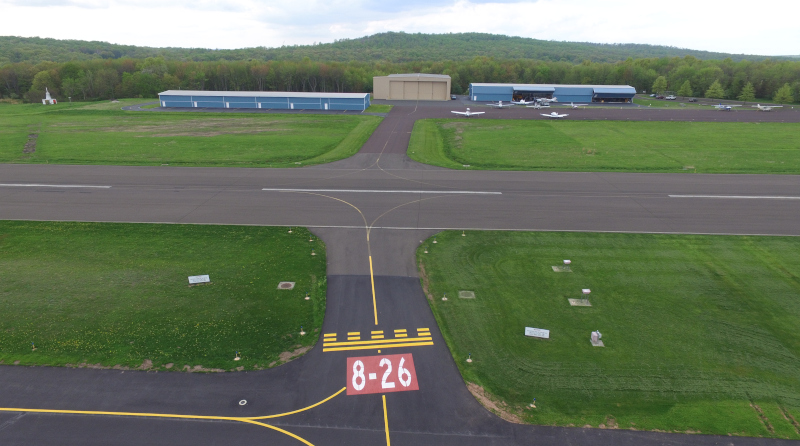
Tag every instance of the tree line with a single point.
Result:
(127, 77)
(383, 47)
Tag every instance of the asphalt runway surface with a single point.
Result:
(399, 203)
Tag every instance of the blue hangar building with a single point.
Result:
(271, 100)
(563, 93)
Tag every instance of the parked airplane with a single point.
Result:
(554, 115)
(575, 106)
(547, 100)
(523, 102)
(726, 106)
(501, 104)
(538, 106)
(766, 107)
(467, 113)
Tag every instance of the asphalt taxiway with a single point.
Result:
(372, 211)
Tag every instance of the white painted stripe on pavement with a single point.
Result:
(739, 197)
(55, 185)
(462, 192)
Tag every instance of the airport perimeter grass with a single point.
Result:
(379, 108)
(701, 332)
(117, 294)
(608, 146)
(101, 133)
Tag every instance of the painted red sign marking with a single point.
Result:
(381, 374)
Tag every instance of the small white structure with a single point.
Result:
(537, 332)
(47, 99)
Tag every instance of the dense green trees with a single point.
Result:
(748, 93)
(783, 95)
(660, 84)
(107, 78)
(715, 91)
(686, 89)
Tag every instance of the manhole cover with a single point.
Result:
(466, 294)
(286, 286)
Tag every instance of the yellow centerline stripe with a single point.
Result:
(250, 420)
(372, 279)
(335, 344)
(386, 421)
(370, 347)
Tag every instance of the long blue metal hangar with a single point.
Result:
(273, 100)
(563, 93)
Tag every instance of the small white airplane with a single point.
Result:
(467, 113)
(726, 106)
(766, 107)
(547, 100)
(523, 102)
(538, 106)
(554, 115)
(501, 104)
(575, 106)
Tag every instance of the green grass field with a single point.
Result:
(608, 146)
(118, 294)
(701, 333)
(100, 133)
(379, 108)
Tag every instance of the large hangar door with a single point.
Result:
(396, 90)
(426, 91)
(440, 91)
(410, 90)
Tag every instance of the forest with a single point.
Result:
(383, 47)
(111, 77)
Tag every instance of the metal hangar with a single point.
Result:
(412, 87)
(563, 93)
(274, 100)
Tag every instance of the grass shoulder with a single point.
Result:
(379, 108)
(108, 294)
(103, 134)
(700, 332)
(607, 146)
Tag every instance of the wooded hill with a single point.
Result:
(396, 47)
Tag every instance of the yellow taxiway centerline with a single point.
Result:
(250, 420)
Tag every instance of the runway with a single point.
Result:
(375, 207)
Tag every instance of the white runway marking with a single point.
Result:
(55, 185)
(461, 192)
(738, 197)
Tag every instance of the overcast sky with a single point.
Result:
(766, 27)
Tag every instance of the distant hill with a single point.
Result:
(390, 47)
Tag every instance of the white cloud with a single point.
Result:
(705, 25)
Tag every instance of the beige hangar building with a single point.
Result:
(412, 87)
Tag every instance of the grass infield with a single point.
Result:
(701, 332)
(117, 294)
(608, 146)
(100, 133)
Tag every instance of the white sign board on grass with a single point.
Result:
(537, 332)
(193, 280)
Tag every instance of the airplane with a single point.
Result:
(538, 106)
(726, 107)
(547, 100)
(766, 107)
(554, 115)
(467, 113)
(501, 105)
(575, 106)
(523, 102)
